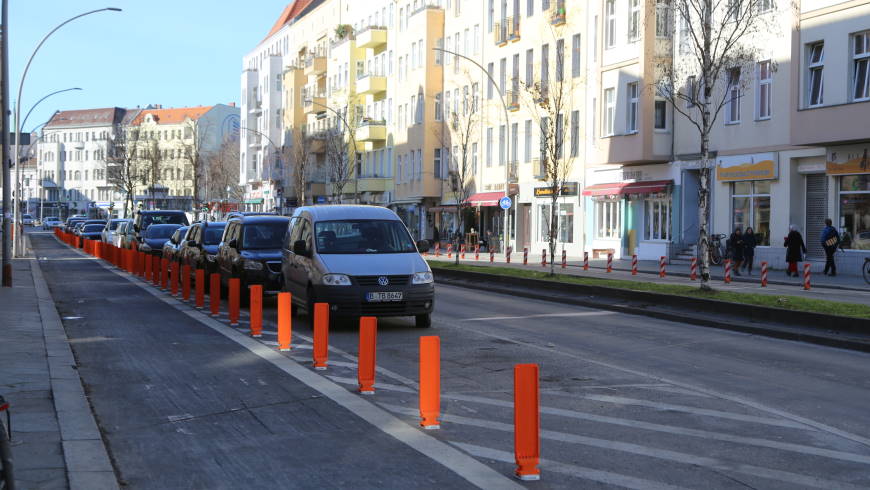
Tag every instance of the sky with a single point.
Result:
(175, 53)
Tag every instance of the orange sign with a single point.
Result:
(762, 166)
(845, 160)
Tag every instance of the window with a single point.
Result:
(663, 19)
(764, 83)
(610, 24)
(527, 150)
(575, 133)
(502, 75)
(631, 121)
(545, 223)
(501, 148)
(438, 107)
(560, 134)
(661, 114)
(861, 66)
(816, 82)
(560, 60)
(634, 20)
(566, 223)
(530, 67)
(530, 8)
(490, 68)
(575, 55)
(691, 91)
(437, 164)
(490, 15)
(514, 142)
(658, 218)
(855, 211)
(474, 158)
(607, 219)
(751, 207)
(766, 6)
(607, 124)
(732, 105)
(544, 142)
(476, 41)
(545, 69)
(489, 147)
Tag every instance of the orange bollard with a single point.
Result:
(807, 277)
(215, 296)
(141, 257)
(164, 274)
(527, 422)
(173, 278)
(662, 265)
(234, 300)
(200, 288)
(368, 339)
(155, 271)
(285, 326)
(525, 256)
(148, 263)
(543, 257)
(430, 381)
(564, 259)
(764, 274)
(320, 353)
(256, 310)
(185, 282)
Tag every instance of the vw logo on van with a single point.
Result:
(383, 280)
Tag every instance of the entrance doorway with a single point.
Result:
(689, 225)
(817, 211)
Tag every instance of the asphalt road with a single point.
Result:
(626, 401)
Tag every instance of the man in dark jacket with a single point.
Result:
(830, 242)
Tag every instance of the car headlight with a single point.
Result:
(336, 280)
(144, 248)
(422, 278)
(253, 265)
(210, 257)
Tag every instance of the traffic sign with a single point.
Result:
(505, 202)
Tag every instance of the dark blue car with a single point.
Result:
(155, 237)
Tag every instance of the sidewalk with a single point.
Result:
(849, 289)
(56, 443)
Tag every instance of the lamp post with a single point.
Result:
(18, 123)
(507, 129)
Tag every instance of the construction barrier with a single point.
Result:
(449, 250)
(764, 274)
(285, 320)
(430, 382)
(806, 277)
(491, 256)
(527, 421)
(368, 339)
(693, 269)
(663, 261)
(507, 255)
(320, 352)
(462, 251)
(438, 250)
(477, 252)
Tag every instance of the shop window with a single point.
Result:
(751, 207)
(855, 211)
(566, 223)
(608, 219)
(658, 219)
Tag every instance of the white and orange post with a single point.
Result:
(634, 265)
(507, 256)
(492, 256)
(585, 261)
(764, 274)
(462, 251)
(525, 255)
(807, 277)
(609, 262)
(663, 263)
(438, 250)
(543, 257)
(477, 252)
(564, 259)
(449, 250)
(693, 269)
(728, 271)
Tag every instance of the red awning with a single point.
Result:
(485, 199)
(646, 187)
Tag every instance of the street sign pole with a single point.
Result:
(4, 122)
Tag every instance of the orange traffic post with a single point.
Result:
(527, 422)
(148, 264)
(173, 278)
(200, 288)
(320, 353)
(155, 271)
(143, 257)
(215, 296)
(164, 274)
(430, 381)
(234, 300)
(284, 321)
(256, 310)
(185, 282)
(368, 339)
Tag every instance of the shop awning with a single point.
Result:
(258, 200)
(485, 199)
(617, 188)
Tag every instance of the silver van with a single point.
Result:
(359, 259)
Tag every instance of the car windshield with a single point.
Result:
(92, 228)
(213, 234)
(264, 235)
(161, 231)
(113, 225)
(163, 219)
(28, 216)
(363, 237)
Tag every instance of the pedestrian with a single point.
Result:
(830, 242)
(736, 243)
(749, 244)
(794, 250)
(436, 238)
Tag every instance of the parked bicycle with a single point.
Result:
(866, 269)
(715, 249)
(7, 480)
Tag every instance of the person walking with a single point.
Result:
(749, 244)
(794, 250)
(830, 242)
(436, 238)
(735, 241)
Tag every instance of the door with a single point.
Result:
(524, 235)
(817, 211)
(689, 225)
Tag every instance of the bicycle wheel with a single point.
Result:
(867, 271)
(715, 256)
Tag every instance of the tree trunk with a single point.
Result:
(461, 227)
(553, 228)
(703, 214)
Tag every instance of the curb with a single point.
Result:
(593, 296)
(87, 461)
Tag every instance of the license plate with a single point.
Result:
(382, 297)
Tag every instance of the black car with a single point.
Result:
(93, 231)
(251, 251)
(155, 237)
(171, 246)
(144, 219)
(71, 223)
(200, 251)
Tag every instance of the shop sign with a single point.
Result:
(758, 166)
(255, 193)
(568, 189)
(845, 160)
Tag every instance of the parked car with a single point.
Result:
(242, 214)
(111, 227)
(144, 219)
(200, 251)
(93, 231)
(86, 222)
(359, 259)
(156, 237)
(251, 250)
(72, 221)
(51, 222)
(171, 246)
(27, 220)
(77, 227)
(123, 234)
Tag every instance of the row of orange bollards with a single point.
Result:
(164, 274)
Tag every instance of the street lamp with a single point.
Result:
(18, 123)
(507, 128)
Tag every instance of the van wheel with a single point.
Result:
(423, 321)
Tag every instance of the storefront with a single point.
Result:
(848, 171)
(489, 217)
(749, 179)
(567, 226)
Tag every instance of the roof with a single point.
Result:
(247, 220)
(171, 116)
(86, 117)
(329, 212)
(291, 12)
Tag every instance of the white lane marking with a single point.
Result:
(542, 315)
(732, 398)
(651, 452)
(467, 467)
(546, 465)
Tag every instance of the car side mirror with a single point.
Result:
(233, 244)
(300, 247)
(423, 246)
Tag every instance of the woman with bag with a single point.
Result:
(794, 250)
(736, 241)
(749, 244)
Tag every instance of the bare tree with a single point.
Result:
(713, 62)
(193, 141)
(121, 170)
(150, 167)
(341, 148)
(300, 153)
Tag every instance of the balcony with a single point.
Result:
(558, 13)
(513, 172)
(513, 29)
(315, 64)
(499, 30)
(375, 184)
(370, 84)
(372, 37)
(371, 131)
(538, 169)
(312, 103)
